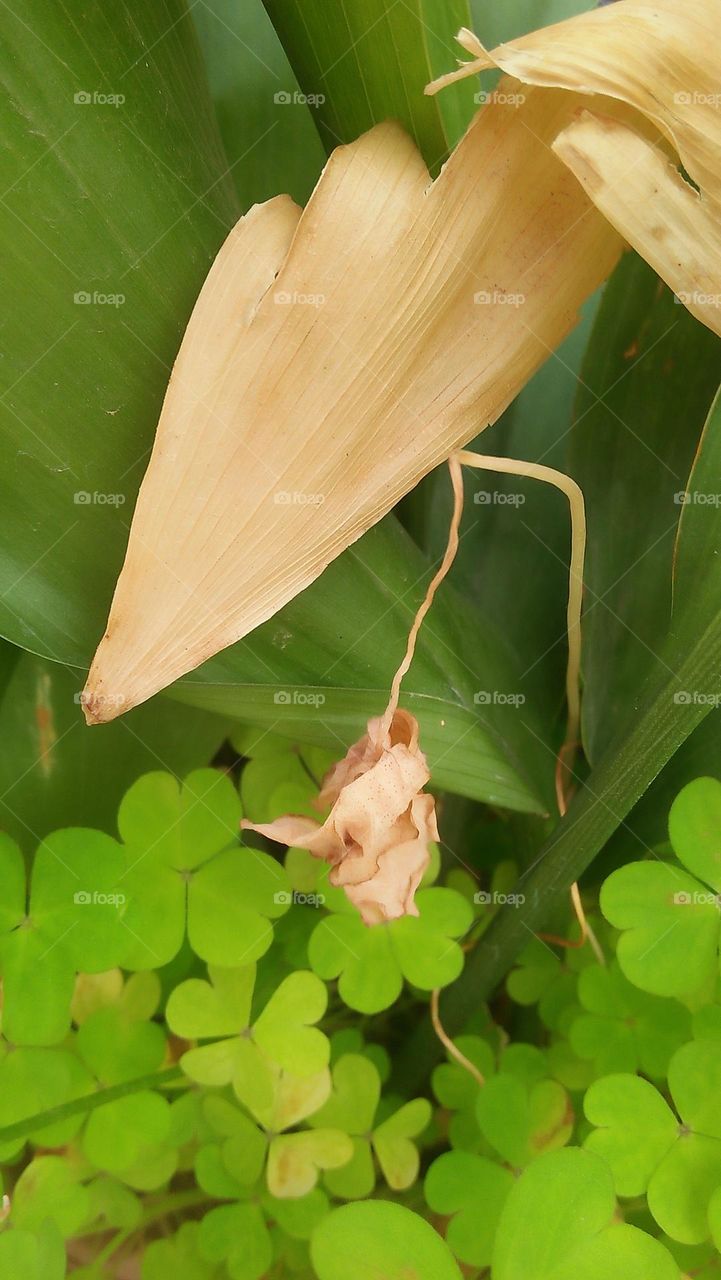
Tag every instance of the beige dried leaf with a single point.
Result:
(381, 822)
(661, 59)
(404, 317)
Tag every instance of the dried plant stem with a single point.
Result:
(448, 558)
(448, 1044)
(564, 761)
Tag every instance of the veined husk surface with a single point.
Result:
(334, 357)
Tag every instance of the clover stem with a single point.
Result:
(448, 1044)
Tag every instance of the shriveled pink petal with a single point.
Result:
(377, 833)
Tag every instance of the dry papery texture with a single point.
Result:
(335, 356)
(663, 59)
(404, 316)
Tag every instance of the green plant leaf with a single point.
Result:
(622, 1028)
(369, 65)
(373, 962)
(376, 1237)
(557, 1224)
(670, 918)
(647, 1149)
(268, 132)
(647, 382)
(521, 1121)
(472, 1191)
(55, 772)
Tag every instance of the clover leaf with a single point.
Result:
(237, 1235)
(669, 912)
(131, 1138)
(178, 1256)
(521, 1120)
(71, 919)
(50, 1188)
(558, 1224)
(280, 776)
(623, 1028)
(376, 1238)
(352, 1108)
(371, 963)
(119, 1042)
(33, 1080)
(472, 1191)
(33, 1255)
(674, 1159)
(184, 863)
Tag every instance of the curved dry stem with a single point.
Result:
(448, 558)
(448, 1044)
(564, 760)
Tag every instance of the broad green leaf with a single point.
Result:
(55, 772)
(397, 1155)
(365, 65)
(557, 1224)
(34, 1080)
(378, 1238)
(647, 382)
(98, 291)
(37, 1255)
(269, 132)
(198, 1010)
(178, 1256)
(300, 1217)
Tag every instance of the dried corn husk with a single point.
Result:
(404, 317)
(662, 59)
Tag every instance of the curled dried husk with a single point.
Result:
(376, 837)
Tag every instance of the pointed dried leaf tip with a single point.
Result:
(377, 833)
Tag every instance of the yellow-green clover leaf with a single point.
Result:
(670, 912)
(185, 865)
(674, 1159)
(472, 1191)
(371, 963)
